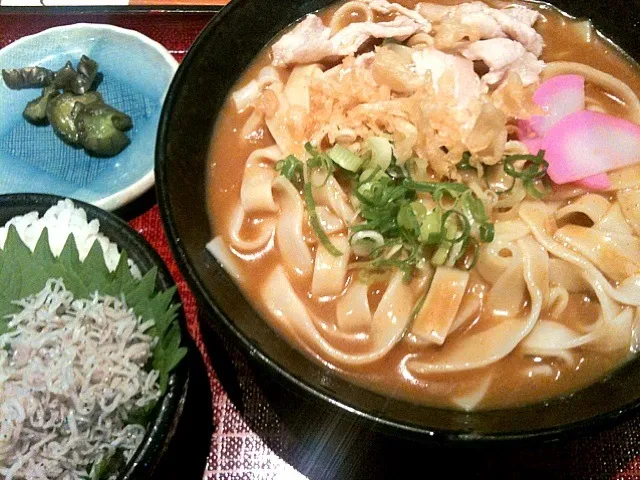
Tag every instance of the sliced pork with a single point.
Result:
(484, 22)
(503, 56)
(311, 41)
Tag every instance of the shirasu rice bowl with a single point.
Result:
(74, 376)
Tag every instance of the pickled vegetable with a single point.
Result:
(77, 81)
(64, 77)
(29, 77)
(36, 110)
(78, 114)
(62, 116)
(101, 129)
(87, 72)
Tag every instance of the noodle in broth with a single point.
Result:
(428, 123)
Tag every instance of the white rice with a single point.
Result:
(61, 220)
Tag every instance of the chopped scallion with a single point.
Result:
(534, 172)
(399, 227)
(430, 228)
(441, 254)
(464, 162)
(381, 152)
(418, 306)
(315, 222)
(365, 242)
(345, 158)
(469, 256)
(291, 168)
(319, 162)
(460, 231)
(371, 174)
(535, 167)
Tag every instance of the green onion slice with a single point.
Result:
(431, 227)
(536, 168)
(290, 167)
(468, 259)
(319, 161)
(365, 242)
(418, 306)
(315, 222)
(345, 158)
(531, 186)
(453, 188)
(464, 164)
(463, 233)
(381, 152)
(487, 232)
(441, 254)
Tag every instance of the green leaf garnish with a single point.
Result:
(23, 273)
(141, 415)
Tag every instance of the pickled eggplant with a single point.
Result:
(36, 109)
(29, 77)
(101, 128)
(64, 77)
(70, 103)
(61, 113)
(87, 72)
(78, 80)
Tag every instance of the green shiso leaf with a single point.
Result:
(42, 254)
(12, 275)
(169, 354)
(143, 290)
(6, 308)
(141, 415)
(94, 268)
(24, 273)
(107, 466)
(120, 276)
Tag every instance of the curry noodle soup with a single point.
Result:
(439, 201)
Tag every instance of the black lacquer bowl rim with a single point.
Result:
(167, 414)
(313, 391)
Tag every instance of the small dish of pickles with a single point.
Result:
(73, 107)
(79, 112)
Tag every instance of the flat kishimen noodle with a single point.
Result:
(413, 194)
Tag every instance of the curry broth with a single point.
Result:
(511, 383)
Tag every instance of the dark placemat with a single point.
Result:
(250, 440)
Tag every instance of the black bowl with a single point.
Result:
(168, 411)
(216, 60)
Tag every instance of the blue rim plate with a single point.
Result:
(137, 73)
